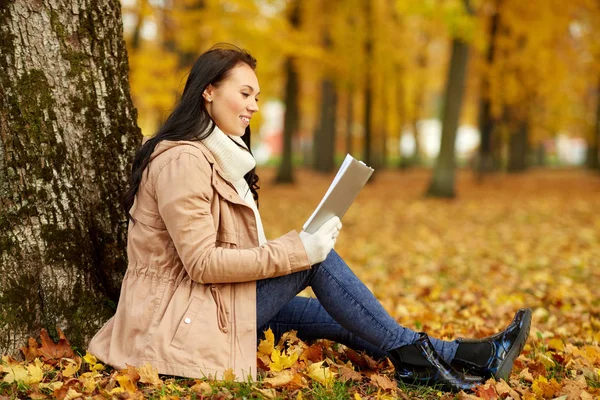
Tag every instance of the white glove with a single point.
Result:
(320, 243)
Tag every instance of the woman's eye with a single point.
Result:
(245, 94)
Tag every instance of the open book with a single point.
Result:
(349, 180)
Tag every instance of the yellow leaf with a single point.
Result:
(116, 390)
(90, 358)
(35, 374)
(556, 344)
(149, 374)
(357, 396)
(281, 360)
(98, 367)
(15, 374)
(89, 381)
(321, 374)
(228, 375)
(51, 385)
(280, 378)
(202, 388)
(71, 367)
(267, 393)
(267, 345)
(72, 394)
(125, 383)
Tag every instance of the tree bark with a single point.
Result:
(442, 183)
(67, 128)
(324, 138)
(349, 121)
(486, 162)
(291, 118)
(518, 148)
(593, 161)
(368, 91)
(285, 172)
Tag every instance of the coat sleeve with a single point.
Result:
(184, 195)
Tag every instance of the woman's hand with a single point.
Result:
(320, 243)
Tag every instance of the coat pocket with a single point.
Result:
(188, 321)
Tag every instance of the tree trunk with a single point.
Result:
(367, 123)
(67, 129)
(486, 162)
(442, 183)
(518, 149)
(423, 63)
(324, 138)
(349, 121)
(593, 161)
(285, 173)
(368, 90)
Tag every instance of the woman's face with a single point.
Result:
(232, 103)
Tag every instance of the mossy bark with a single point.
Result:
(67, 130)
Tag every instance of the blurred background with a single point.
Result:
(515, 83)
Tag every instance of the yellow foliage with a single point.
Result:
(282, 360)
(267, 345)
(321, 374)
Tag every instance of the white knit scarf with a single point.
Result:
(235, 162)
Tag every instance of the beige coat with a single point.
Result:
(188, 298)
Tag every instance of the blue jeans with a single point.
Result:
(344, 311)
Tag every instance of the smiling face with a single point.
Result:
(233, 101)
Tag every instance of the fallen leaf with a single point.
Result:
(504, 390)
(267, 345)
(486, 392)
(321, 374)
(70, 366)
(228, 375)
(383, 382)
(345, 374)
(267, 392)
(53, 352)
(149, 374)
(279, 379)
(281, 360)
(313, 354)
(203, 388)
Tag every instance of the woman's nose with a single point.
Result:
(253, 106)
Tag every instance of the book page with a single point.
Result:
(349, 180)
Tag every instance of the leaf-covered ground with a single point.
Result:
(449, 267)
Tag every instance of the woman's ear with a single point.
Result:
(208, 92)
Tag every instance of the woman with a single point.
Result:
(202, 279)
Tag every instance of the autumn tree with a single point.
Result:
(442, 182)
(67, 129)
(486, 121)
(285, 173)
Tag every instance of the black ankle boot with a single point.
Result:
(420, 363)
(503, 349)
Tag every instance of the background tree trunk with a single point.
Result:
(518, 148)
(350, 121)
(592, 154)
(486, 162)
(442, 183)
(285, 172)
(324, 138)
(67, 130)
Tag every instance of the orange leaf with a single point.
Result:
(50, 351)
(383, 382)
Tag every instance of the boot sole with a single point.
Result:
(513, 353)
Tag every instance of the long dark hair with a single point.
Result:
(190, 120)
